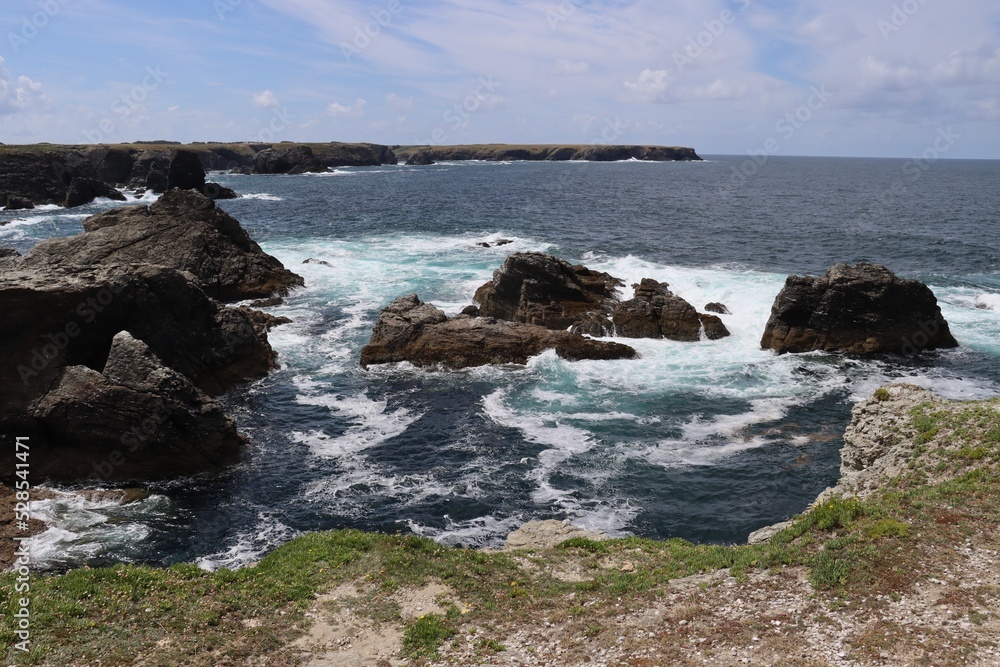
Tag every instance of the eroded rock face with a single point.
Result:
(292, 160)
(536, 288)
(656, 312)
(183, 230)
(856, 309)
(410, 330)
(186, 172)
(136, 418)
(83, 190)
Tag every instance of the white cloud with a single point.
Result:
(265, 100)
(356, 110)
(398, 104)
(830, 30)
(652, 86)
(564, 66)
(21, 94)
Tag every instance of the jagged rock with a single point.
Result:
(410, 330)
(269, 302)
(719, 308)
(548, 534)
(150, 172)
(82, 191)
(500, 242)
(656, 312)
(536, 288)
(186, 172)
(321, 262)
(422, 158)
(136, 418)
(184, 230)
(15, 203)
(856, 309)
(111, 165)
(215, 191)
(292, 160)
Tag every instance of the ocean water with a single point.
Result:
(706, 441)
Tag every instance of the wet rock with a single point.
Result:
(860, 309)
(656, 312)
(718, 308)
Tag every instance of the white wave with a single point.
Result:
(81, 528)
(480, 532)
(262, 196)
(371, 424)
(250, 545)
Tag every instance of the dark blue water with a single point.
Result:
(706, 441)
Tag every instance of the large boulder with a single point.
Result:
(183, 230)
(83, 190)
(860, 309)
(150, 171)
(536, 288)
(292, 160)
(16, 203)
(410, 330)
(186, 172)
(136, 418)
(656, 312)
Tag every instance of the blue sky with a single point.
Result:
(853, 78)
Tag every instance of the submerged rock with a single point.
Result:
(656, 312)
(413, 331)
(863, 308)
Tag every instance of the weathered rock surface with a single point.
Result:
(215, 191)
(292, 160)
(135, 419)
(719, 308)
(183, 230)
(108, 353)
(423, 158)
(656, 312)
(410, 330)
(856, 309)
(548, 534)
(15, 203)
(83, 190)
(536, 288)
(186, 172)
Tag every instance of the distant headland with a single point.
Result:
(44, 173)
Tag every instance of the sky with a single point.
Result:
(864, 78)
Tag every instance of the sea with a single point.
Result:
(705, 441)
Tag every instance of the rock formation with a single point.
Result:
(186, 172)
(183, 230)
(422, 158)
(410, 330)
(856, 309)
(656, 312)
(111, 342)
(291, 160)
(541, 289)
(83, 190)
(15, 203)
(536, 288)
(505, 152)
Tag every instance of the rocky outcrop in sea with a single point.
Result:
(114, 342)
(862, 309)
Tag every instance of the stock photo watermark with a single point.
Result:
(900, 16)
(698, 44)
(786, 128)
(365, 34)
(126, 105)
(457, 116)
(33, 24)
(22, 564)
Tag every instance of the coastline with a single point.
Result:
(901, 569)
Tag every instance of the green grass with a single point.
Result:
(184, 616)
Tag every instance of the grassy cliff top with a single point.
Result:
(906, 576)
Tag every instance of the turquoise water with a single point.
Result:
(706, 441)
